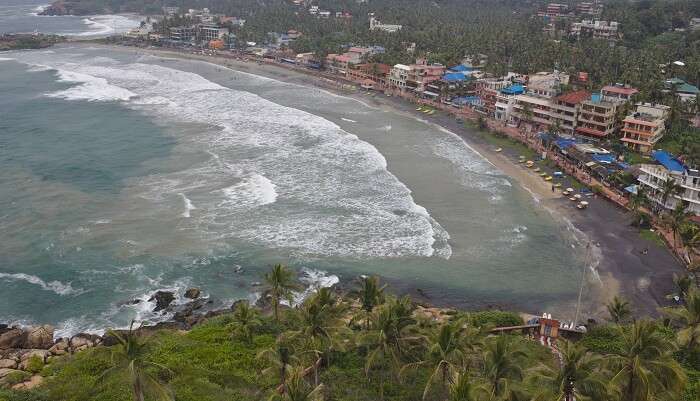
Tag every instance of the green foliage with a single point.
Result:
(495, 318)
(18, 376)
(35, 364)
(603, 339)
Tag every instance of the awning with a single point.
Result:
(429, 93)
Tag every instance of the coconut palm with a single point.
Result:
(279, 359)
(371, 294)
(245, 320)
(387, 342)
(637, 201)
(688, 318)
(644, 370)
(445, 355)
(501, 366)
(298, 389)
(461, 388)
(684, 284)
(676, 219)
(619, 310)
(129, 355)
(668, 189)
(280, 282)
(578, 377)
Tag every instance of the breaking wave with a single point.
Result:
(56, 287)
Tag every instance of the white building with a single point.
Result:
(597, 29)
(398, 75)
(654, 175)
(375, 24)
(209, 32)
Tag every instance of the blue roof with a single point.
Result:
(454, 76)
(564, 143)
(667, 160)
(516, 89)
(460, 68)
(473, 100)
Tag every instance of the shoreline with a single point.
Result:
(615, 270)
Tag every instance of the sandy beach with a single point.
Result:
(618, 265)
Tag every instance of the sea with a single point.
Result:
(123, 173)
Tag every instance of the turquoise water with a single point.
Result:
(124, 173)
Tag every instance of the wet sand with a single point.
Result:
(618, 266)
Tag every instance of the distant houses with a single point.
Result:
(666, 167)
(376, 25)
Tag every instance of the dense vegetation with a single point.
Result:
(373, 346)
(25, 41)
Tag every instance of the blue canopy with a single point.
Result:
(454, 77)
(607, 158)
(667, 160)
(460, 68)
(564, 143)
(473, 100)
(516, 89)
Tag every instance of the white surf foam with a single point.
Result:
(339, 197)
(6, 59)
(38, 9)
(313, 280)
(255, 190)
(103, 25)
(188, 206)
(90, 88)
(348, 120)
(53, 286)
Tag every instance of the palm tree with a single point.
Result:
(387, 342)
(619, 310)
(684, 284)
(669, 188)
(637, 201)
(298, 389)
(676, 219)
(281, 282)
(461, 388)
(445, 356)
(129, 355)
(688, 317)
(644, 370)
(371, 294)
(578, 377)
(501, 366)
(279, 358)
(245, 320)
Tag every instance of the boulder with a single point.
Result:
(83, 340)
(13, 338)
(60, 348)
(34, 381)
(163, 299)
(193, 293)
(8, 364)
(40, 337)
(41, 353)
(5, 372)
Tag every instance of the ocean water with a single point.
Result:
(21, 16)
(122, 173)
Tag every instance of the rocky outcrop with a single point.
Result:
(192, 293)
(40, 337)
(163, 299)
(13, 338)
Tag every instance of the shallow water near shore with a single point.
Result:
(123, 173)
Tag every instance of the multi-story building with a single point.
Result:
(183, 34)
(666, 168)
(341, 63)
(422, 73)
(398, 76)
(208, 32)
(535, 106)
(375, 72)
(505, 99)
(375, 24)
(555, 10)
(565, 108)
(644, 127)
(608, 30)
(694, 23)
(597, 118)
(618, 93)
(589, 8)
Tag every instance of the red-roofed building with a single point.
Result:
(596, 118)
(565, 108)
(618, 93)
(337, 63)
(375, 72)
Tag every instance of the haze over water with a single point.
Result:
(123, 173)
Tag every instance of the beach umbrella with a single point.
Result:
(577, 196)
(569, 190)
(584, 203)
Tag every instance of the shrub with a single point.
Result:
(35, 364)
(16, 377)
(603, 339)
(495, 318)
